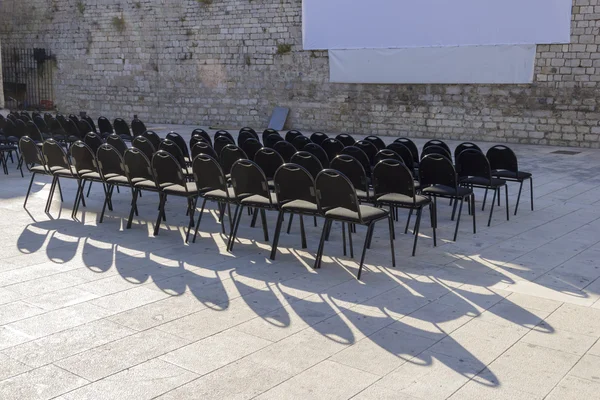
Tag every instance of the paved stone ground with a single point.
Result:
(94, 311)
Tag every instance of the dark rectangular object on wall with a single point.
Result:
(278, 118)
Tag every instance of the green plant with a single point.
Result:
(248, 60)
(138, 4)
(189, 32)
(284, 48)
(119, 23)
(205, 2)
(80, 7)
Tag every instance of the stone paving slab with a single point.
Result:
(94, 311)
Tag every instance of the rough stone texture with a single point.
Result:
(1, 86)
(217, 63)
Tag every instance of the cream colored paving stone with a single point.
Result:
(9, 296)
(326, 380)
(40, 384)
(61, 298)
(66, 343)
(477, 391)
(128, 299)
(506, 313)
(573, 388)
(144, 381)
(124, 353)
(39, 286)
(216, 351)
(377, 392)
(577, 319)
(533, 302)
(16, 311)
(587, 368)
(383, 351)
(240, 380)
(561, 340)
(10, 367)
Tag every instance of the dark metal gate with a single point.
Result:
(27, 78)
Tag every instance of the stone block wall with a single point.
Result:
(229, 62)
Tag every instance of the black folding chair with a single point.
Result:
(140, 176)
(387, 154)
(300, 142)
(272, 139)
(250, 147)
(59, 165)
(153, 138)
(291, 135)
(180, 142)
(266, 134)
(171, 147)
(243, 136)
(464, 146)
(332, 147)
(86, 168)
(122, 129)
(338, 202)
(112, 171)
(318, 138)
(221, 142)
(285, 149)
(223, 133)
(504, 165)
(137, 126)
(438, 143)
(229, 155)
(346, 139)
(376, 141)
(144, 145)
(411, 146)
(93, 141)
(269, 162)
(105, 127)
(436, 150)
(202, 134)
(203, 148)
(296, 194)
(361, 156)
(406, 154)
(117, 142)
(353, 170)
(369, 149)
(34, 161)
(318, 152)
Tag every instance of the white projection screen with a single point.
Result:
(434, 65)
(377, 24)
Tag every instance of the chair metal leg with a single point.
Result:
(321, 244)
(362, 258)
(484, 199)
(531, 191)
(458, 219)
(161, 211)
(135, 208)
(302, 232)
(51, 194)
(315, 219)
(408, 221)
(350, 241)
(518, 198)
(237, 225)
(277, 233)
(136, 192)
(222, 216)
(454, 210)
(492, 208)
(434, 208)
(89, 188)
(199, 219)
(254, 217)
(106, 200)
(192, 210)
(29, 189)
(506, 199)
(263, 220)
(474, 219)
(393, 211)
(289, 228)
(344, 236)
(78, 194)
(230, 217)
(417, 227)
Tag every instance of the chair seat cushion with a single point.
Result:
(404, 200)
(91, 175)
(141, 183)
(180, 190)
(259, 201)
(219, 194)
(481, 181)
(38, 169)
(300, 206)
(117, 179)
(447, 191)
(367, 213)
(503, 173)
(362, 195)
(60, 171)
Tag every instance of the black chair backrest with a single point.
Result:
(91, 122)
(435, 150)
(387, 154)
(369, 148)
(436, 142)
(54, 155)
(300, 142)
(332, 147)
(243, 136)
(223, 133)
(269, 161)
(272, 139)
(71, 128)
(404, 152)
(21, 128)
(33, 132)
(318, 152)
(167, 169)
(30, 151)
(376, 140)
(10, 129)
(291, 135)
(179, 141)
(229, 155)
(84, 127)
(26, 115)
(144, 145)
(48, 117)
(74, 118)
(502, 158)
(248, 179)
(84, 159)
(171, 147)
(117, 142)
(352, 169)
(137, 127)
(137, 166)
(293, 182)
(208, 174)
(55, 127)
(472, 162)
(220, 142)
(250, 147)
(93, 141)
(346, 139)
(110, 161)
(308, 161)
(41, 124)
(361, 156)
(121, 127)
(249, 129)
(203, 148)
(436, 169)
(465, 146)
(318, 137)
(203, 134)
(411, 146)
(335, 190)
(392, 176)
(285, 149)
(153, 138)
(104, 125)
(268, 132)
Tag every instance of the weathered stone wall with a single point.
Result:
(225, 62)
(1, 86)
